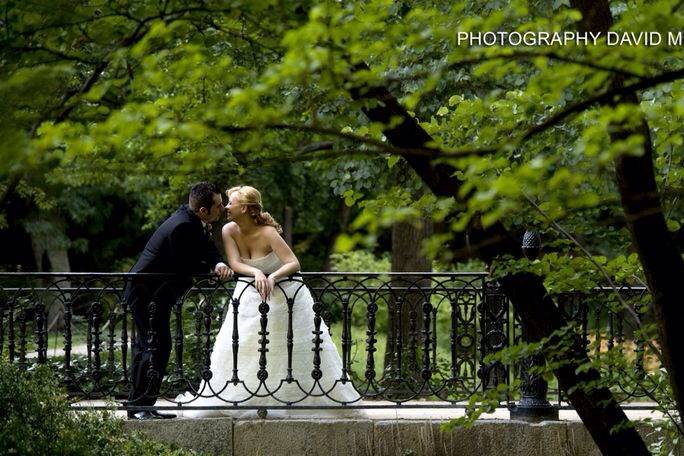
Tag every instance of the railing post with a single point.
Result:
(262, 374)
(197, 334)
(67, 340)
(10, 331)
(290, 339)
(39, 330)
(494, 324)
(207, 310)
(111, 342)
(235, 341)
(398, 342)
(371, 340)
(22, 339)
(426, 373)
(533, 405)
(453, 344)
(316, 373)
(96, 315)
(178, 337)
(153, 375)
(413, 316)
(124, 337)
(346, 339)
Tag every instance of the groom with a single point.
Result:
(181, 245)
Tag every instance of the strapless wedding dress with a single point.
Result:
(270, 380)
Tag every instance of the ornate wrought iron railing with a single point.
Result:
(411, 339)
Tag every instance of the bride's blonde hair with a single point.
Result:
(250, 197)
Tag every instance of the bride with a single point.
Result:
(300, 365)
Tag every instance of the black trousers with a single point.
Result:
(152, 345)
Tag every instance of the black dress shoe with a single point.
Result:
(162, 416)
(142, 416)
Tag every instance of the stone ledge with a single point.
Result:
(345, 437)
(486, 437)
(210, 435)
(322, 437)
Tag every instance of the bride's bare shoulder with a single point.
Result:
(268, 231)
(231, 229)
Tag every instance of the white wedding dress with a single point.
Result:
(275, 389)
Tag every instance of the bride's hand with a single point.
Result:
(271, 284)
(261, 284)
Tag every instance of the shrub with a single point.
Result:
(359, 261)
(35, 419)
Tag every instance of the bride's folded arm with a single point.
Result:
(285, 255)
(263, 284)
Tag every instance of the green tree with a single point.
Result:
(506, 138)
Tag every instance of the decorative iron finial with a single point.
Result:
(531, 244)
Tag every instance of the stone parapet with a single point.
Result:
(366, 437)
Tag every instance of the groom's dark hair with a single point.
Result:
(202, 195)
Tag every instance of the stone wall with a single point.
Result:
(273, 437)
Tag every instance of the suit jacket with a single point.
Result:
(180, 245)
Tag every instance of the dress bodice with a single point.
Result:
(266, 264)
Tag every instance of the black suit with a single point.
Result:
(180, 245)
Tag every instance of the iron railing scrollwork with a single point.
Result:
(417, 339)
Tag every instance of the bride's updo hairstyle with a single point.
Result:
(250, 197)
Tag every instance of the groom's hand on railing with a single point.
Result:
(223, 271)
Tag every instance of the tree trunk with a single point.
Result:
(600, 412)
(662, 263)
(407, 241)
(660, 258)
(531, 300)
(479, 242)
(287, 225)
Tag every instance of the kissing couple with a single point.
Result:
(300, 366)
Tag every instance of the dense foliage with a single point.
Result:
(35, 419)
(145, 97)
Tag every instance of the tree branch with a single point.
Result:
(317, 146)
(381, 145)
(247, 38)
(133, 38)
(519, 54)
(55, 52)
(605, 97)
(525, 54)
